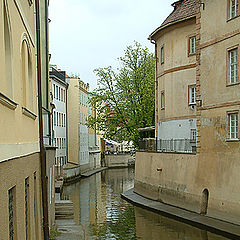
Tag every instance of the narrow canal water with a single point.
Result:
(99, 209)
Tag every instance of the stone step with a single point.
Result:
(64, 209)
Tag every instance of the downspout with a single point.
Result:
(40, 119)
(156, 90)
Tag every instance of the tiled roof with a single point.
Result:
(183, 9)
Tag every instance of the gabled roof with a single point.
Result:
(183, 9)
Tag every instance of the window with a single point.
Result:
(64, 96)
(54, 91)
(54, 118)
(192, 45)
(162, 55)
(233, 66)
(27, 215)
(162, 100)
(192, 95)
(233, 8)
(57, 92)
(57, 118)
(11, 213)
(61, 94)
(233, 126)
(193, 135)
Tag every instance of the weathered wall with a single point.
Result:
(120, 160)
(177, 71)
(174, 185)
(218, 167)
(17, 179)
(184, 177)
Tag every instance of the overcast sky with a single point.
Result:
(87, 34)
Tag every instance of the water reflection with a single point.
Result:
(99, 208)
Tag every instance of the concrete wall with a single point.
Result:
(183, 177)
(118, 160)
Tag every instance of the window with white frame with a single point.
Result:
(233, 8)
(233, 126)
(54, 118)
(54, 91)
(57, 92)
(192, 94)
(233, 66)
(193, 135)
(192, 45)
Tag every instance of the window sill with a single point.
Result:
(6, 101)
(230, 19)
(29, 113)
(191, 54)
(232, 140)
(232, 84)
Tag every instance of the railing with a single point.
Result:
(171, 145)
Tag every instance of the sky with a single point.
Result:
(88, 34)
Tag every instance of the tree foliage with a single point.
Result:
(124, 99)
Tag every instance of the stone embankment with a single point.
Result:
(216, 226)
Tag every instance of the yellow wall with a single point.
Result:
(75, 107)
(16, 127)
(177, 72)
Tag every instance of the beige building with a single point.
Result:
(197, 92)
(77, 105)
(20, 193)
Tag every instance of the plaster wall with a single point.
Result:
(60, 129)
(73, 117)
(217, 24)
(176, 129)
(15, 126)
(17, 179)
(83, 145)
(184, 177)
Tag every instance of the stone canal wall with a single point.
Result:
(182, 180)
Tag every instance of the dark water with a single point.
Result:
(99, 208)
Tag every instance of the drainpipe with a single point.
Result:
(40, 119)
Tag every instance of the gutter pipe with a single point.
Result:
(40, 119)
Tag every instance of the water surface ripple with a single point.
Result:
(99, 208)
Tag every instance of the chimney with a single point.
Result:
(177, 4)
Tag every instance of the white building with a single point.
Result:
(59, 94)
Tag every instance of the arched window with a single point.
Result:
(8, 51)
(27, 76)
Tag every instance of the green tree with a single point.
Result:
(124, 99)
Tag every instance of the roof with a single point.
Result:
(183, 9)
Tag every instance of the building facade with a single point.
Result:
(59, 115)
(197, 92)
(218, 94)
(78, 154)
(21, 216)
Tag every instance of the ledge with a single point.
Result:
(29, 113)
(6, 101)
(210, 224)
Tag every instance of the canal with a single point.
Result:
(101, 212)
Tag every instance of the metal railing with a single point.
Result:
(170, 145)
